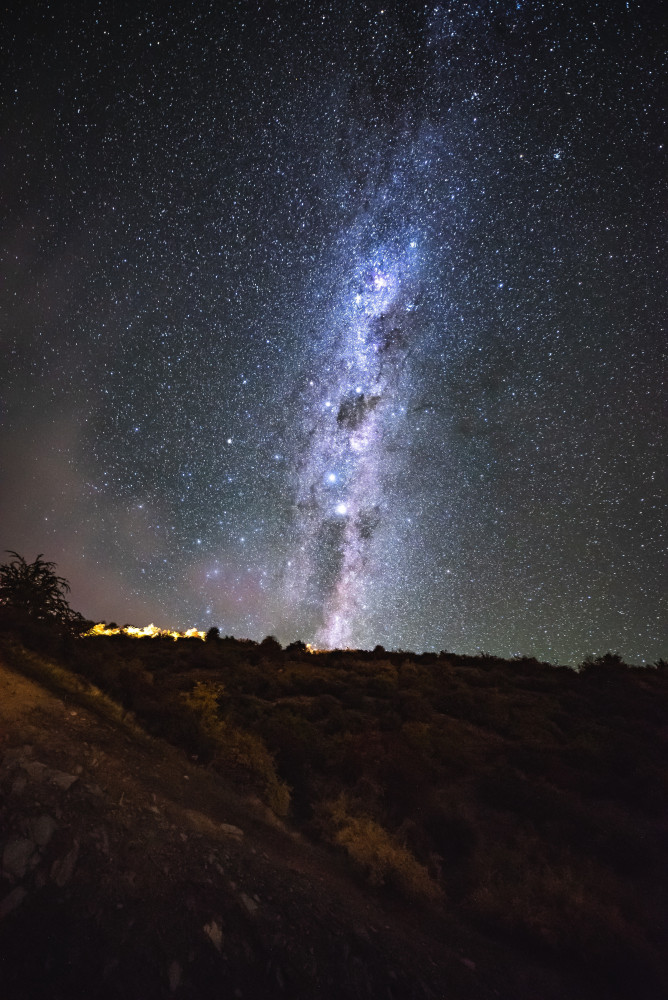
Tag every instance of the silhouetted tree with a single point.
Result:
(270, 646)
(34, 592)
(213, 635)
(598, 664)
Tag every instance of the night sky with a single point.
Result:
(340, 322)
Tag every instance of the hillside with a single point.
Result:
(343, 824)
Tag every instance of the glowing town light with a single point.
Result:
(147, 632)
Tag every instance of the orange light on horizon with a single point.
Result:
(147, 632)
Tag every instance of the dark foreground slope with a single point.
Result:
(448, 835)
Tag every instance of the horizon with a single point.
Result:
(107, 629)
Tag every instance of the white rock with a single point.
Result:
(16, 755)
(34, 769)
(42, 829)
(249, 903)
(214, 933)
(16, 856)
(12, 900)
(174, 977)
(19, 783)
(62, 780)
(63, 868)
(231, 831)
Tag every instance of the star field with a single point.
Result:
(341, 322)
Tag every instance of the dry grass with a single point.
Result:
(61, 681)
(378, 855)
(235, 749)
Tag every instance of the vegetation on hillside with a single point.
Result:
(527, 799)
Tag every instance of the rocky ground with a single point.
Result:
(128, 871)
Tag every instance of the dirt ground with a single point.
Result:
(128, 871)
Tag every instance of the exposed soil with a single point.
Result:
(128, 871)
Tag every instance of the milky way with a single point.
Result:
(358, 407)
(340, 322)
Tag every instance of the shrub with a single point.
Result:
(271, 647)
(235, 750)
(382, 859)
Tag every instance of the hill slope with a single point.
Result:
(128, 871)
